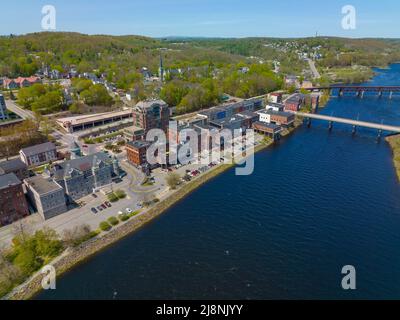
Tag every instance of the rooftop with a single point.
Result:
(93, 117)
(9, 180)
(39, 148)
(12, 165)
(280, 113)
(138, 144)
(42, 185)
(148, 104)
(267, 125)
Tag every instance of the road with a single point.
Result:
(24, 114)
(313, 68)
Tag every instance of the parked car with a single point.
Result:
(94, 195)
(108, 204)
(100, 208)
(94, 210)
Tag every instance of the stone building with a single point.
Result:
(46, 195)
(82, 176)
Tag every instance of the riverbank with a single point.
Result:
(394, 142)
(76, 256)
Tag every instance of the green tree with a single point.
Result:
(97, 95)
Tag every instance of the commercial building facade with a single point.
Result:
(136, 152)
(13, 204)
(92, 121)
(151, 114)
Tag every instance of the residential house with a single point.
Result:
(39, 154)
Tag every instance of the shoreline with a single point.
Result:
(394, 143)
(75, 257)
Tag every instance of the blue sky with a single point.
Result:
(211, 18)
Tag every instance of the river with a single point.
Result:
(317, 201)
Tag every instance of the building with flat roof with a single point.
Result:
(46, 195)
(16, 166)
(39, 154)
(285, 119)
(136, 152)
(3, 108)
(98, 120)
(13, 204)
(269, 129)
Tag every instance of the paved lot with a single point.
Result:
(132, 185)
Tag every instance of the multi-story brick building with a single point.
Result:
(285, 119)
(39, 154)
(136, 152)
(46, 195)
(151, 114)
(13, 204)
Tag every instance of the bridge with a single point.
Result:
(358, 90)
(354, 123)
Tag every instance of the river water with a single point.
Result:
(317, 201)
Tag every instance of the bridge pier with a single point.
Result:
(391, 95)
(360, 94)
(330, 127)
(379, 134)
(340, 92)
(354, 130)
(380, 94)
(308, 122)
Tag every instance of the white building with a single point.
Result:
(39, 154)
(274, 106)
(265, 117)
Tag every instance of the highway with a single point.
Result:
(357, 123)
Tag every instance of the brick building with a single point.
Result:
(13, 204)
(151, 114)
(136, 152)
(285, 119)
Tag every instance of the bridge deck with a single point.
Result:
(358, 88)
(357, 123)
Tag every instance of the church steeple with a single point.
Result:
(161, 70)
